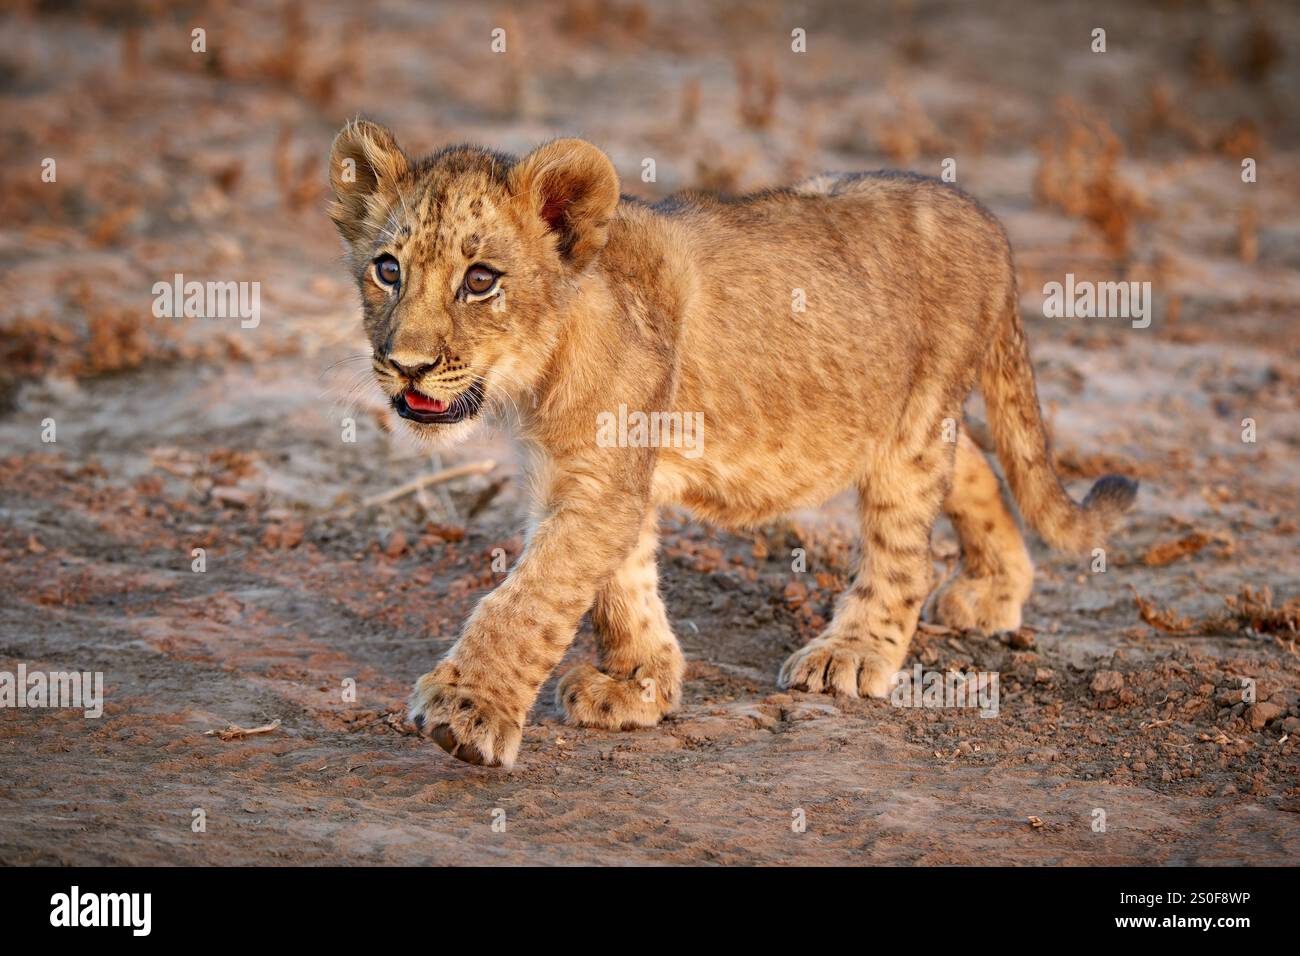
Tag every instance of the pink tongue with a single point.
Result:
(423, 403)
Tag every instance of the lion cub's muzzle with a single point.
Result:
(416, 406)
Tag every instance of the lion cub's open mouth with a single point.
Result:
(419, 407)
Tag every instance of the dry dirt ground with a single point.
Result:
(1126, 699)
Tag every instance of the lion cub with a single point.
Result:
(531, 285)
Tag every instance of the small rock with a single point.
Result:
(1260, 714)
(1107, 682)
(230, 495)
(761, 717)
(293, 534)
(1021, 640)
(283, 535)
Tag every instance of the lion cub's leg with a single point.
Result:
(641, 665)
(996, 574)
(866, 642)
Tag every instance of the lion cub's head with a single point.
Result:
(466, 263)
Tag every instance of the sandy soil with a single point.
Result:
(1122, 694)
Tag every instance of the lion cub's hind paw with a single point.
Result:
(592, 698)
(983, 606)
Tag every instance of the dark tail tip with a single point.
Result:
(1111, 493)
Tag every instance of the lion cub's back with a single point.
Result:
(921, 211)
(895, 252)
(896, 226)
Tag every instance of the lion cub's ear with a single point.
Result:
(573, 188)
(365, 165)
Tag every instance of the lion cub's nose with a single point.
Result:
(412, 365)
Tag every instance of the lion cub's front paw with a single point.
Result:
(592, 698)
(836, 665)
(463, 722)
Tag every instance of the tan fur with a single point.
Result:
(996, 574)
(686, 308)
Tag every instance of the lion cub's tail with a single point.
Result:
(1007, 381)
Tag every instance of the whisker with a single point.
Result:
(344, 361)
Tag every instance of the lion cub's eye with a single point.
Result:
(480, 279)
(387, 271)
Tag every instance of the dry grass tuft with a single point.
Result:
(299, 181)
(758, 91)
(1078, 172)
(909, 132)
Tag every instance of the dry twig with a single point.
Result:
(232, 732)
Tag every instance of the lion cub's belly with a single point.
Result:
(740, 486)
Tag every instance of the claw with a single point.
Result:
(444, 738)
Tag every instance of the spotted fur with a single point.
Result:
(692, 306)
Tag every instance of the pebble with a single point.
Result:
(1022, 640)
(1105, 682)
(396, 545)
(1260, 714)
